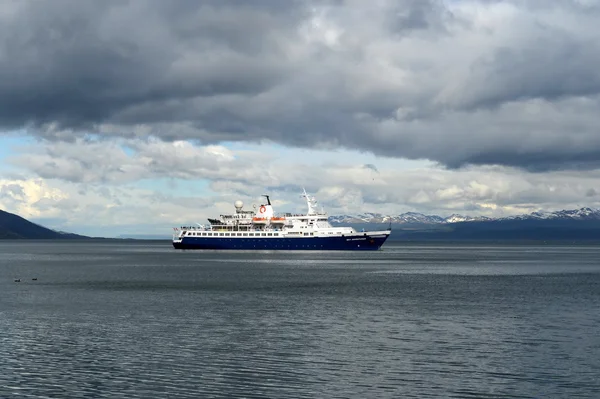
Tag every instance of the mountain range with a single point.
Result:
(419, 218)
(574, 225)
(578, 225)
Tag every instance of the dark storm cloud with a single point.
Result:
(488, 82)
(551, 66)
(81, 62)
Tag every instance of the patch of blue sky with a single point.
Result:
(127, 150)
(177, 187)
(12, 144)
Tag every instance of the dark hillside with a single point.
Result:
(16, 227)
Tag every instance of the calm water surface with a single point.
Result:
(141, 320)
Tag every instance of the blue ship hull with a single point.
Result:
(362, 242)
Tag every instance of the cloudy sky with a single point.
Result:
(121, 117)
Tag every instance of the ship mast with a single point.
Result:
(311, 202)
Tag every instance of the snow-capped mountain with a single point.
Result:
(409, 217)
(456, 218)
(574, 214)
(404, 218)
(415, 217)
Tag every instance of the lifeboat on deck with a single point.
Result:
(277, 220)
(257, 220)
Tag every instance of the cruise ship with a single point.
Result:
(262, 229)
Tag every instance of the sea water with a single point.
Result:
(138, 319)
